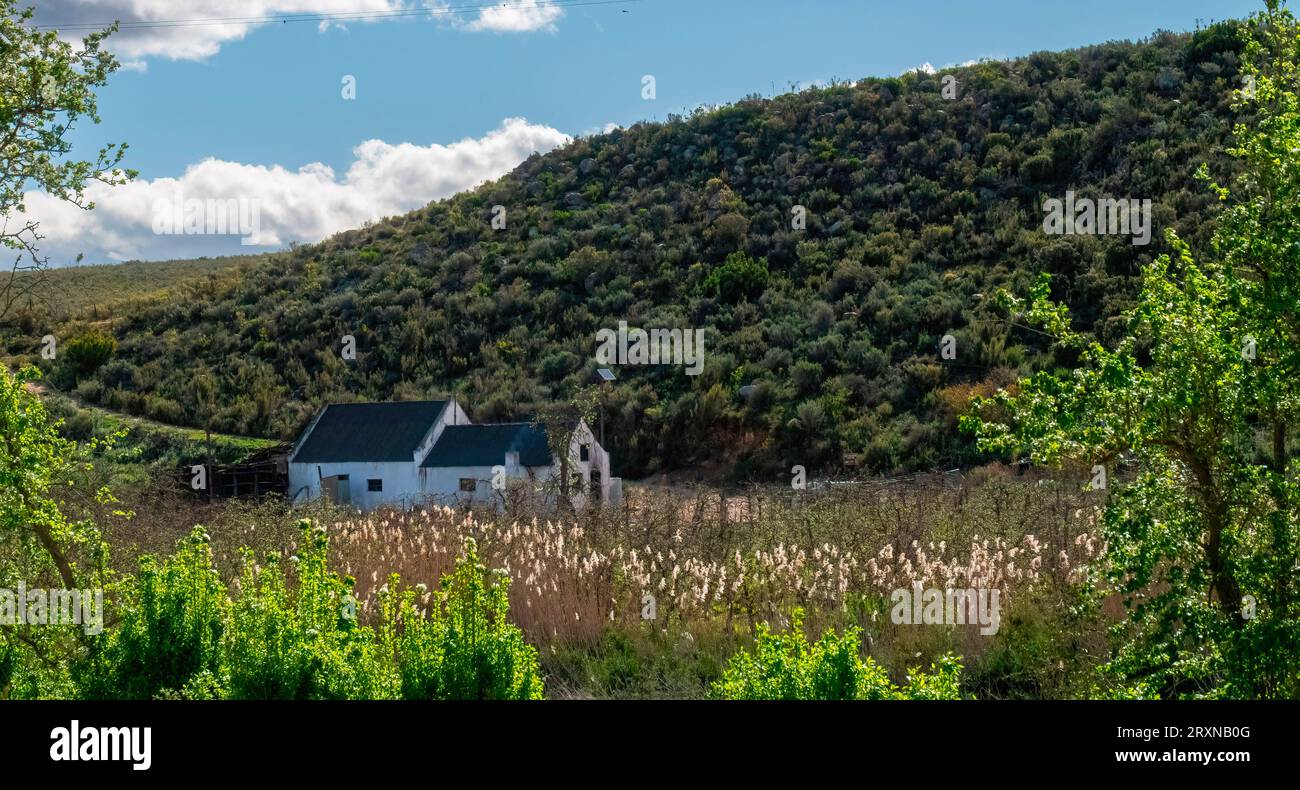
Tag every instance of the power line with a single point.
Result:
(339, 16)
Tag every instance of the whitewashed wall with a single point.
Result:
(401, 482)
(441, 485)
(598, 460)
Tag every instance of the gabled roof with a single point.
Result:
(369, 432)
(487, 445)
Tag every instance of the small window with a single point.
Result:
(374, 485)
(584, 453)
(468, 484)
(343, 477)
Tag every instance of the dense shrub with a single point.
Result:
(787, 667)
(85, 354)
(463, 646)
(740, 277)
(169, 639)
(290, 631)
(299, 638)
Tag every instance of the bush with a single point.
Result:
(293, 634)
(464, 647)
(301, 641)
(88, 352)
(171, 630)
(786, 667)
(739, 277)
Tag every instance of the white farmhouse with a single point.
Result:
(428, 452)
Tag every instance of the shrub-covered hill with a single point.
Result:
(95, 293)
(918, 208)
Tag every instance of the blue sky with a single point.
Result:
(273, 97)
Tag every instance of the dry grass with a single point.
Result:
(730, 562)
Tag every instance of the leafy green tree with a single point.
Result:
(1203, 393)
(46, 87)
(39, 544)
(34, 458)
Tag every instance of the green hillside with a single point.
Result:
(99, 292)
(918, 208)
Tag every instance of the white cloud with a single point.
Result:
(304, 205)
(198, 36)
(518, 17)
(189, 41)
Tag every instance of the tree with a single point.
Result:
(33, 458)
(46, 87)
(562, 421)
(38, 543)
(1204, 394)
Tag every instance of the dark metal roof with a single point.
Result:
(369, 432)
(487, 445)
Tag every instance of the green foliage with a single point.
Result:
(47, 85)
(1203, 394)
(300, 640)
(144, 441)
(290, 631)
(739, 277)
(87, 353)
(170, 636)
(1050, 645)
(787, 667)
(40, 545)
(36, 538)
(463, 646)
